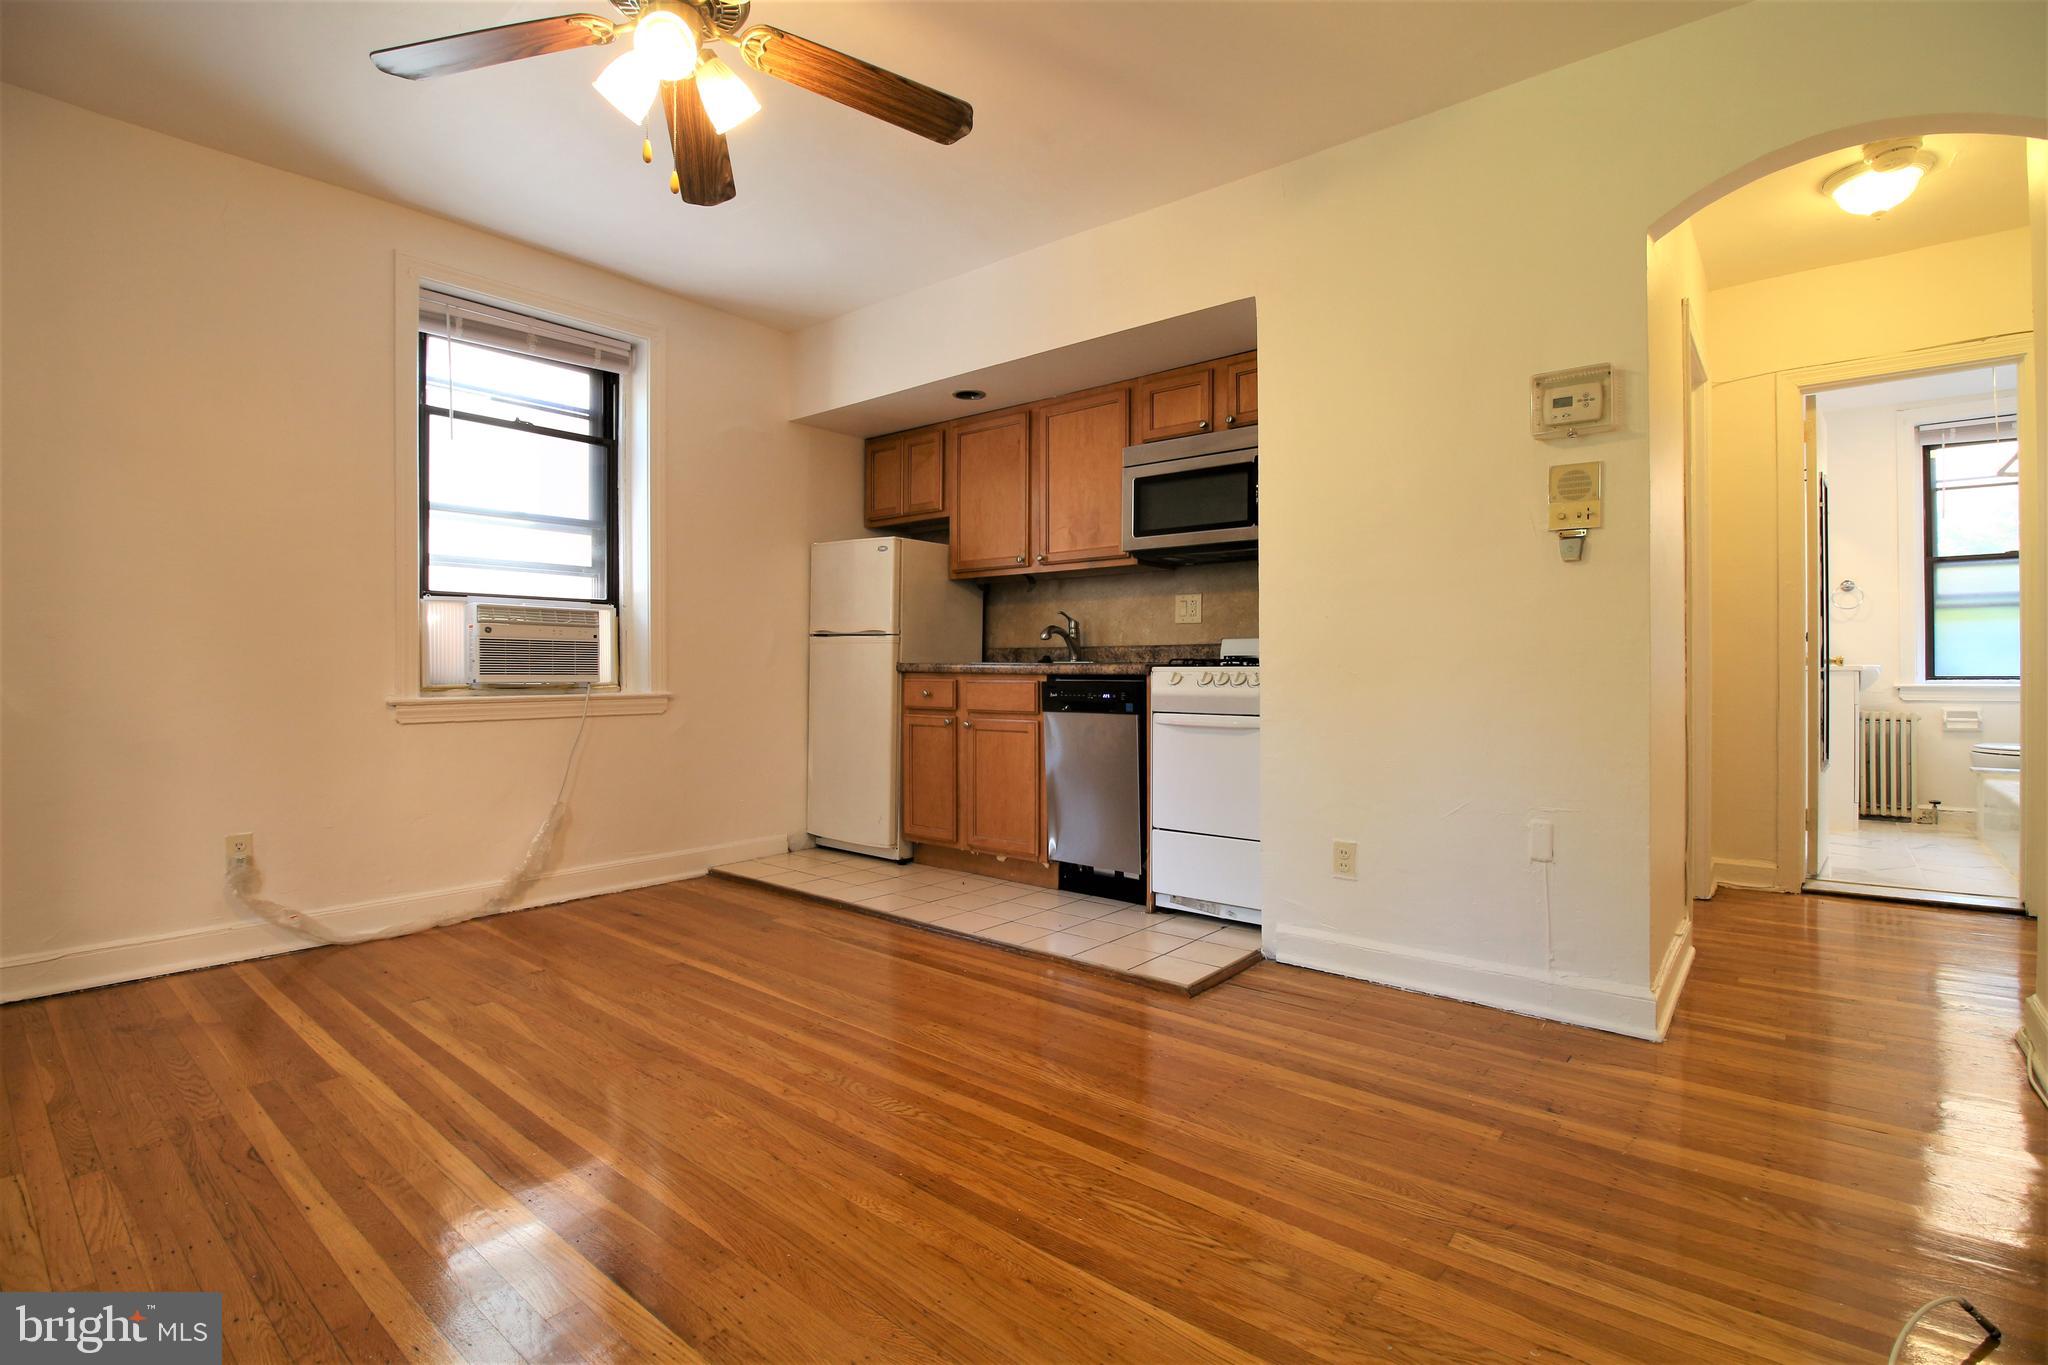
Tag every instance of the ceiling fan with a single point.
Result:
(671, 45)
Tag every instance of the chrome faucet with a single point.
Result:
(1070, 634)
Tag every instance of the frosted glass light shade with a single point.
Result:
(667, 43)
(629, 85)
(726, 98)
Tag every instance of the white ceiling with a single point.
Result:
(1783, 224)
(1084, 113)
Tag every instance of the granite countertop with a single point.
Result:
(1084, 669)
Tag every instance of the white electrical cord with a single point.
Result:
(1991, 1332)
(244, 881)
(2033, 1063)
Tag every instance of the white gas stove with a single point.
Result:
(1205, 784)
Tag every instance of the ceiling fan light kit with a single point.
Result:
(672, 44)
(629, 85)
(1881, 181)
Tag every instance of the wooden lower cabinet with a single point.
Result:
(931, 778)
(974, 776)
(1002, 771)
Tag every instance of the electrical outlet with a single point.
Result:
(1344, 859)
(1187, 609)
(241, 848)
(1542, 842)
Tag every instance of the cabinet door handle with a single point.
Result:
(947, 721)
(1230, 421)
(967, 725)
(1201, 426)
(1020, 559)
(1041, 559)
(925, 692)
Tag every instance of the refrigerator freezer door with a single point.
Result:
(853, 587)
(854, 762)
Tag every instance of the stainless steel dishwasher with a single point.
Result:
(1094, 783)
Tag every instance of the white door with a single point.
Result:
(853, 587)
(1205, 774)
(854, 696)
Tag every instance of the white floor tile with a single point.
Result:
(1179, 970)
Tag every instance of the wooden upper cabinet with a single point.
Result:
(924, 480)
(906, 477)
(1001, 781)
(887, 483)
(989, 467)
(1177, 403)
(931, 778)
(1237, 390)
(1078, 478)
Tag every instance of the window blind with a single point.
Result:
(1974, 429)
(481, 324)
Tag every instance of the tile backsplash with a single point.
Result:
(1134, 607)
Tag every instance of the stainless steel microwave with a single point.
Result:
(1193, 499)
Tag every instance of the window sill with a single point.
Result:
(1959, 691)
(465, 706)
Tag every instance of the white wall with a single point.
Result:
(1889, 305)
(1436, 676)
(2034, 618)
(198, 430)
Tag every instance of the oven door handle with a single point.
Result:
(1208, 722)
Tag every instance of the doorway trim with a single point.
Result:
(1797, 502)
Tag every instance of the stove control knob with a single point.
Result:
(1239, 679)
(1173, 680)
(1255, 677)
(1205, 679)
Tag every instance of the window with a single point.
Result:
(1973, 542)
(519, 455)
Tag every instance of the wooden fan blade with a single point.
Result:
(490, 46)
(857, 85)
(702, 163)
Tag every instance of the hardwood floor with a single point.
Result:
(712, 1121)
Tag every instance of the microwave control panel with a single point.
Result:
(1572, 402)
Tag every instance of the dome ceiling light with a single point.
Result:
(1880, 182)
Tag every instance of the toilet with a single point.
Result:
(1997, 765)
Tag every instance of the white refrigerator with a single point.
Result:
(874, 603)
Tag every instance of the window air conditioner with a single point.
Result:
(514, 643)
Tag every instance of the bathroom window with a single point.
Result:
(1973, 550)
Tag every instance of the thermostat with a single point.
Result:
(1572, 402)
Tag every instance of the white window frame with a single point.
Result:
(643, 680)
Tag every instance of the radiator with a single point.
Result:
(1884, 774)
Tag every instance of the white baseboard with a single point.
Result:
(1672, 974)
(132, 959)
(1586, 1001)
(1746, 873)
(2033, 1041)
